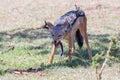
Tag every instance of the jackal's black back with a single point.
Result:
(70, 16)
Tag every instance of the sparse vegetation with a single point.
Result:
(102, 59)
(20, 23)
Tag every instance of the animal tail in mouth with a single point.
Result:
(61, 46)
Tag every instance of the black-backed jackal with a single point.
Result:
(71, 26)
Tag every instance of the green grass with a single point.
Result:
(19, 22)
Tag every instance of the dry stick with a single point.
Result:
(6, 50)
(104, 64)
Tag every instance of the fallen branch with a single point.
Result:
(26, 71)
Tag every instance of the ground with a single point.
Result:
(20, 26)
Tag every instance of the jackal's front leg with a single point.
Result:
(52, 54)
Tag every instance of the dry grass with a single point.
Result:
(19, 20)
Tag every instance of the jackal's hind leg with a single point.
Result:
(85, 36)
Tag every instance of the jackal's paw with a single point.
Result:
(90, 54)
(49, 63)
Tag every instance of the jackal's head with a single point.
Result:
(57, 31)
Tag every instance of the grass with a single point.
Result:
(19, 26)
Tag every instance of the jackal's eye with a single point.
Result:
(52, 34)
(65, 30)
(59, 35)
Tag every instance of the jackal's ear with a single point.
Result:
(64, 25)
(48, 25)
(77, 8)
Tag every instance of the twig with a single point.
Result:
(99, 74)
(6, 50)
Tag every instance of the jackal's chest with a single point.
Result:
(69, 35)
(66, 37)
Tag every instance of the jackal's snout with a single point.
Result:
(56, 42)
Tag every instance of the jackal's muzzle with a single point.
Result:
(61, 46)
(57, 43)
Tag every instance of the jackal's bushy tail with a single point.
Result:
(79, 38)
